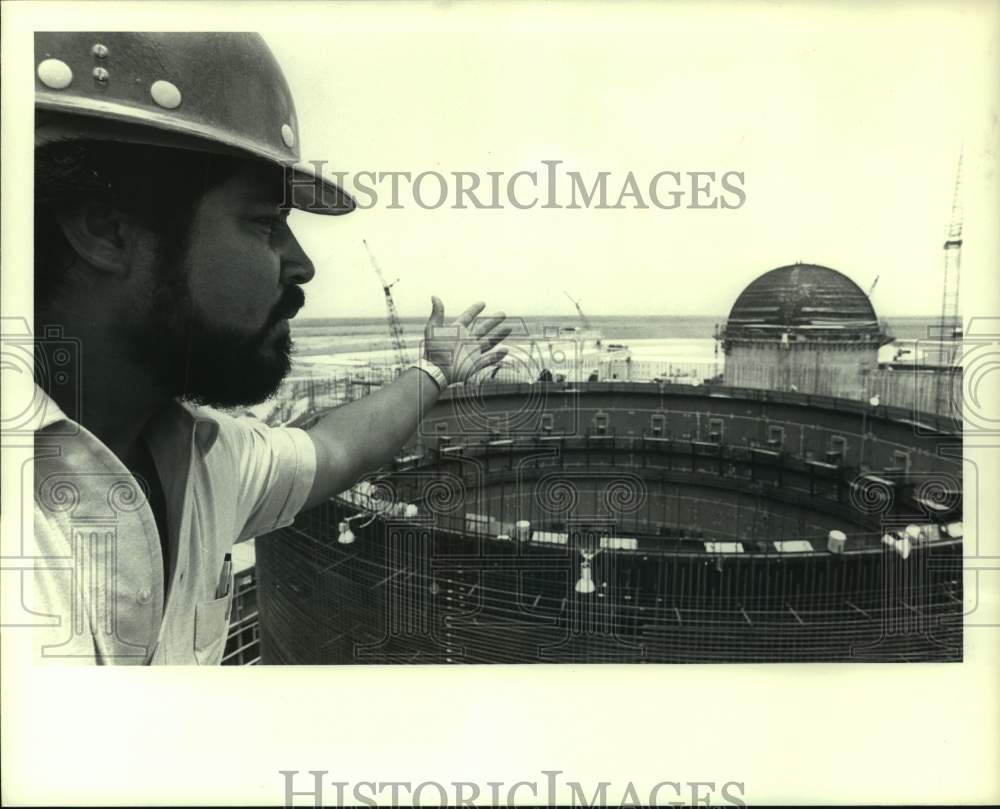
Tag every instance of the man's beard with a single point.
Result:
(207, 364)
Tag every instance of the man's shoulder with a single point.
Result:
(271, 468)
(217, 429)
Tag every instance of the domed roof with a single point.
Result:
(802, 298)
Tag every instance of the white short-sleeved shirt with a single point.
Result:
(100, 570)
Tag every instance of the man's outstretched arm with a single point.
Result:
(362, 436)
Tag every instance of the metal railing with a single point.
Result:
(243, 641)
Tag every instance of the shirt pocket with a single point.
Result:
(211, 625)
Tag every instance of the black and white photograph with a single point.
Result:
(359, 346)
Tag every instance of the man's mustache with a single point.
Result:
(292, 299)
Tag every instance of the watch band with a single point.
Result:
(433, 371)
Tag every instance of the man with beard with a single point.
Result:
(165, 276)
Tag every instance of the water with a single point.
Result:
(674, 338)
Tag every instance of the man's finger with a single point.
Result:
(487, 360)
(436, 319)
(484, 327)
(437, 311)
(492, 340)
(469, 314)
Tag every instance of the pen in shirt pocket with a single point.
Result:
(224, 579)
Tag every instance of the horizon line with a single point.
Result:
(382, 316)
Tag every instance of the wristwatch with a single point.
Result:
(433, 371)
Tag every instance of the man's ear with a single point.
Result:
(100, 234)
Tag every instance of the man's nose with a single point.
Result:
(296, 267)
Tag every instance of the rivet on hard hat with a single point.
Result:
(288, 136)
(100, 51)
(55, 73)
(101, 75)
(165, 94)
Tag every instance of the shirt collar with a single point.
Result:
(203, 424)
(44, 411)
(200, 421)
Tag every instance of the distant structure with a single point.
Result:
(804, 328)
(395, 325)
(950, 329)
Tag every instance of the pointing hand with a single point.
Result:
(465, 346)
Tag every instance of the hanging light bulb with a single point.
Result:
(585, 584)
(346, 535)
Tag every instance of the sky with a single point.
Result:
(845, 121)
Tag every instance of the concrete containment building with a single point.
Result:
(803, 328)
(632, 522)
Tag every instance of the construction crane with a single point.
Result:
(395, 327)
(951, 323)
(583, 317)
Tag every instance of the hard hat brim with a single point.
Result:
(312, 192)
(58, 119)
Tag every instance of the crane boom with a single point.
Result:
(583, 317)
(395, 326)
(951, 323)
